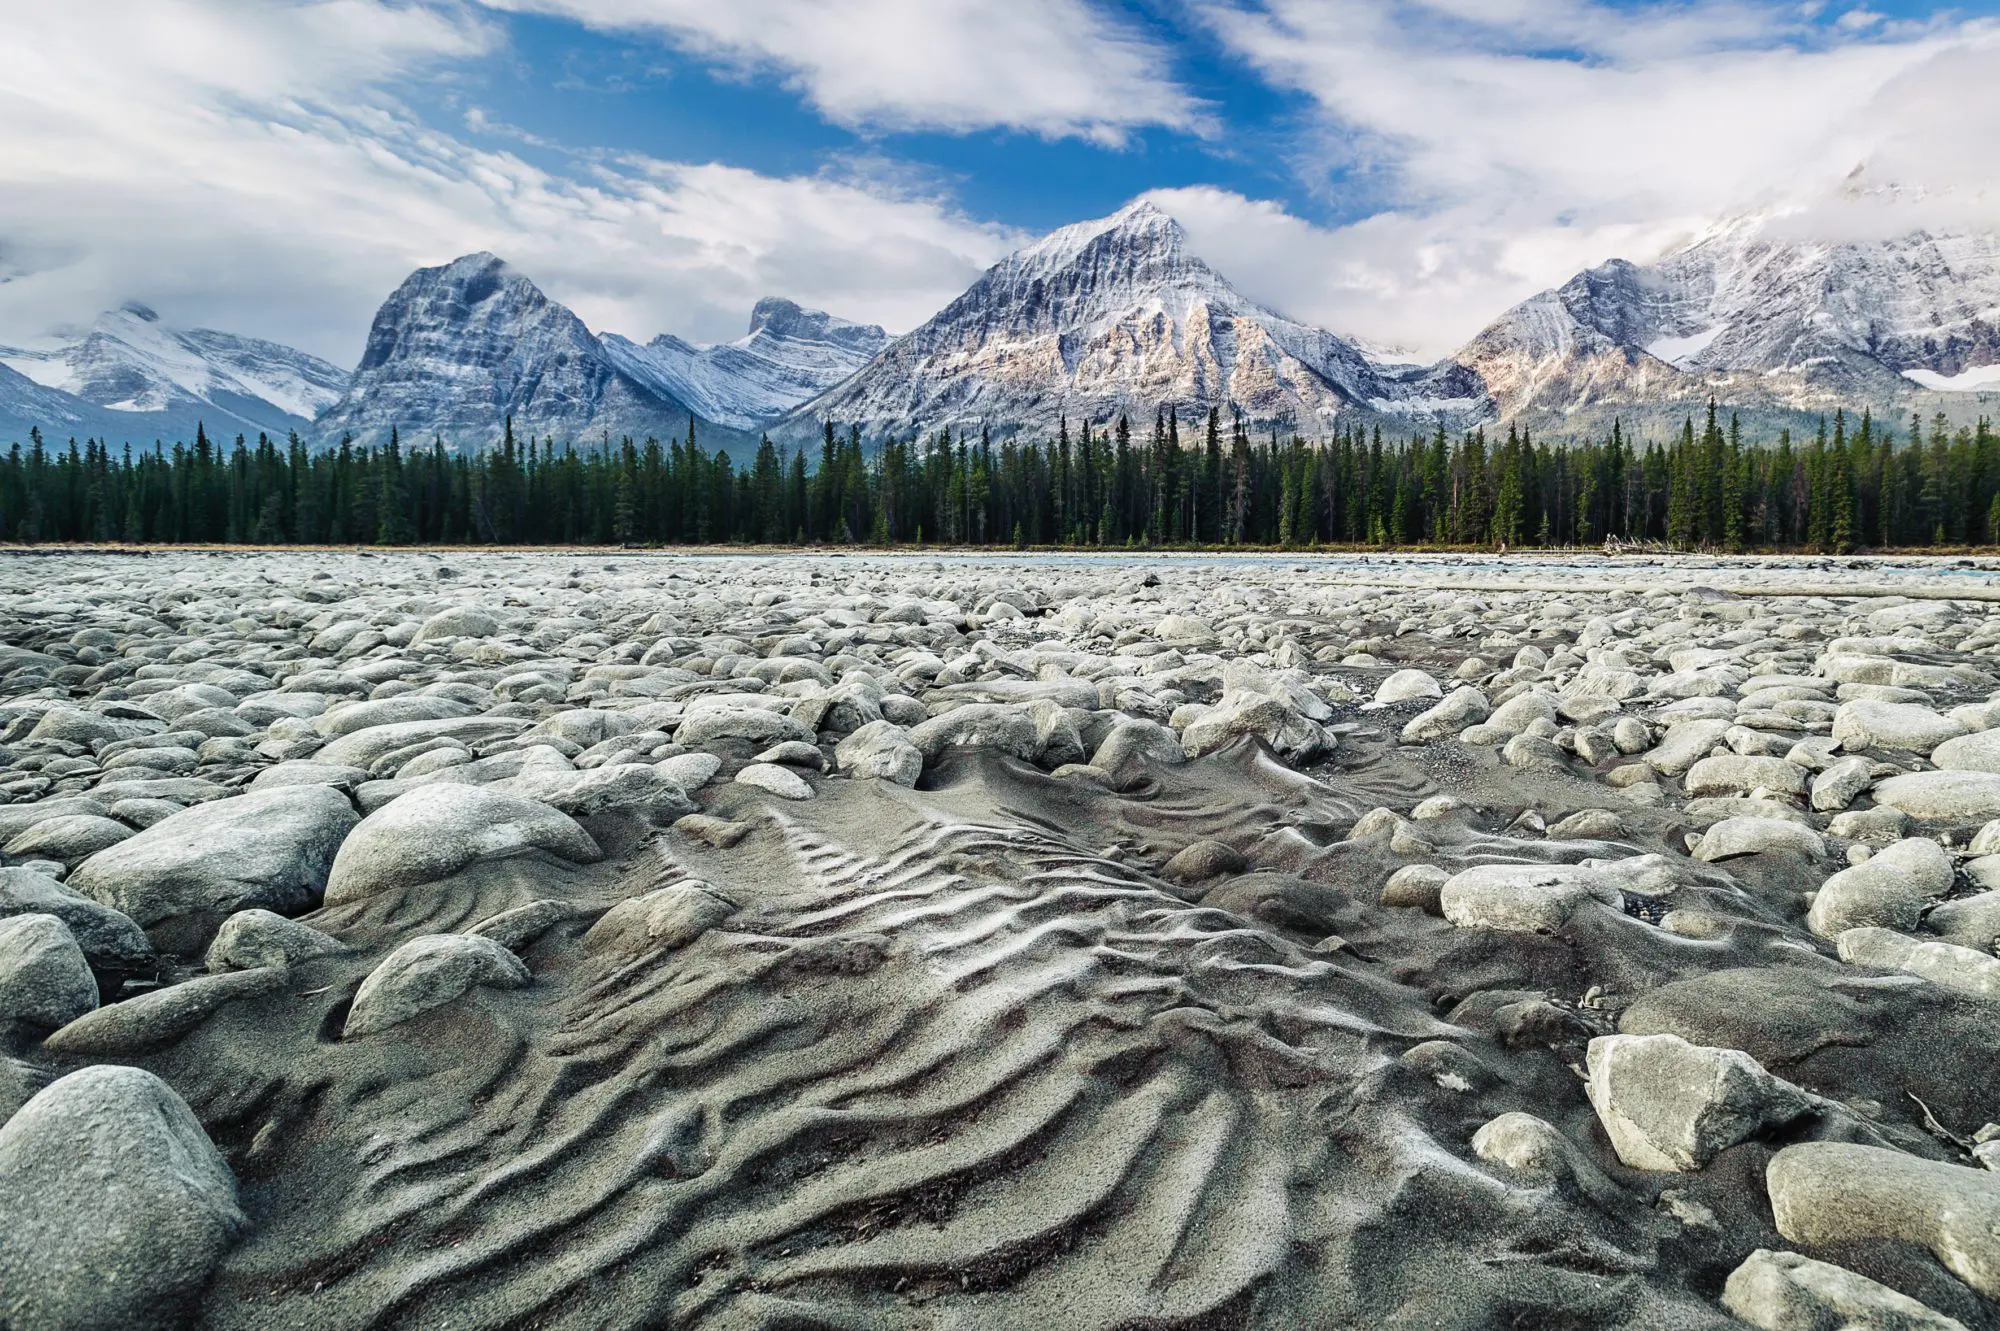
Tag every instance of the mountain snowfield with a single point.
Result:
(790, 356)
(132, 365)
(1754, 321)
(1098, 319)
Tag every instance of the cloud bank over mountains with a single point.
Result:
(272, 168)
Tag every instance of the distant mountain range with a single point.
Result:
(1097, 319)
(132, 378)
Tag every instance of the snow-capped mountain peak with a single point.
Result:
(132, 372)
(1119, 316)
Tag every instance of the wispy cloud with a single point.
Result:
(249, 166)
(1499, 145)
(1055, 68)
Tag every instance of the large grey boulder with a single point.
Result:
(660, 921)
(1835, 788)
(1686, 744)
(434, 831)
(253, 938)
(1783, 1291)
(114, 1206)
(1890, 889)
(1137, 739)
(69, 839)
(1950, 799)
(995, 726)
(638, 787)
(388, 711)
(1290, 733)
(136, 1025)
(1972, 922)
(1673, 1106)
(44, 980)
(428, 972)
(1835, 1192)
(1737, 774)
(365, 748)
(1867, 724)
(746, 725)
(463, 622)
(110, 940)
(1946, 965)
(1523, 898)
(1978, 752)
(1463, 706)
(880, 751)
(182, 876)
(1407, 686)
(1758, 836)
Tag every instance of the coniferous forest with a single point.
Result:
(1852, 484)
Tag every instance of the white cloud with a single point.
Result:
(1050, 67)
(1503, 144)
(242, 165)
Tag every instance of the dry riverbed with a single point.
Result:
(616, 940)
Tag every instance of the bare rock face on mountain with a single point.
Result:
(457, 350)
(1118, 316)
(789, 355)
(1756, 320)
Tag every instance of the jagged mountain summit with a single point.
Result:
(133, 377)
(789, 356)
(1119, 316)
(458, 349)
(1755, 321)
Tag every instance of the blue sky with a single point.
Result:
(1400, 170)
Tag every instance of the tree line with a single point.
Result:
(1851, 484)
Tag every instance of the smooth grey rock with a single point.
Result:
(1954, 799)
(746, 725)
(690, 771)
(637, 786)
(1290, 734)
(1972, 922)
(1783, 1291)
(1867, 724)
(1758, 836)
(44, 980)
(463, 622)
(1524, 1144)
(180, 877)
(387, 711)
(114, 1206)
(434, 831)
(661, 921)
(881, 751)
(514, 929)
(1523, 898)
(994, 726)
(1136, 738)
(1684, 745)
(1672, 1106)
(308, 772)
(1407, 686)
(111, 940)
(1835, 1192)
(251, 939)
(1416, 885)
(69, 839)
(1836, 787)
(365, 748)
(1463, 706)
(165, 1015)
(773, 779)
(428, 972)
(1979, 752)
(1890, 889)
(1946, 965)
(1731, 774)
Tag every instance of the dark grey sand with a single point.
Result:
(1056, 943)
